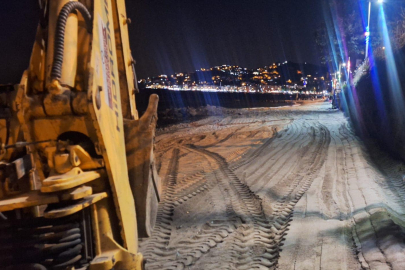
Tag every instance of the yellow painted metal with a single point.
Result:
(83, 53)
(77, 193)
(63, 162)
(111, 258)
(56, 126)
(144, 180)
(104, 85)
(79, 157)
(109, 254)
(21, 106)
(37, 62)
(71, 179)
(127, 55)
(29, 199)
(97, 84)
(75, 207)
(121, 65)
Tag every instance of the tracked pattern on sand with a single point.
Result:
(275, 189)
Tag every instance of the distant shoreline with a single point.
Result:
(236, 100)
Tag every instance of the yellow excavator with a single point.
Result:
(78, 185)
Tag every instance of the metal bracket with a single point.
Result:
(71, 179)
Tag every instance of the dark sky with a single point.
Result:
(183, 35)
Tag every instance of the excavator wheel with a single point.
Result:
(144, 180)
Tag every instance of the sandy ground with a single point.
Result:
(276, 188)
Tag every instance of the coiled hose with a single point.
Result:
(60, 34)
(46, 247)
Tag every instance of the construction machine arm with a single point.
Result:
(74, 151)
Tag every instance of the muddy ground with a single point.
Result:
(276, 188)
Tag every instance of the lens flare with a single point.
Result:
(395, 90)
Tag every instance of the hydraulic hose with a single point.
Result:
(60, 34)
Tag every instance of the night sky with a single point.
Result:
(178, 36)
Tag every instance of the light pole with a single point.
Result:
(340, 73)
(337, 86)
(368, 29)
(367, 34)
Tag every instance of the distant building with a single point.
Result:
(274, 77)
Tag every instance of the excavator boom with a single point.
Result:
(77, 180)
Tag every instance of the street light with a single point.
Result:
(367, 34)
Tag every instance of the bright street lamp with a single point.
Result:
(367, 34)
